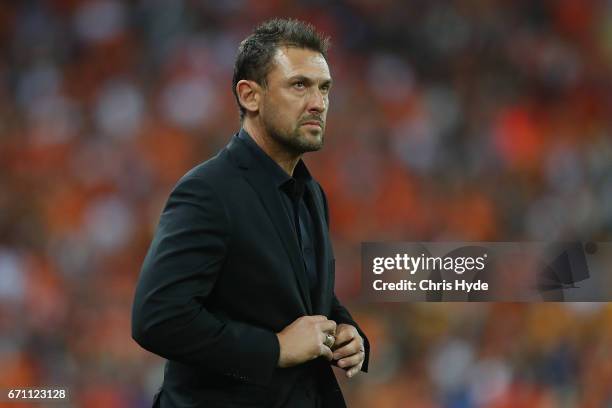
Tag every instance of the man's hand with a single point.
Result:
(349, 352)
(304, 340)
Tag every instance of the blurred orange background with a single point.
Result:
(466, 120)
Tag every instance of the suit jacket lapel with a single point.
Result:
(320, 302)
(270, 196)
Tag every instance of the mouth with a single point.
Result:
(313, 123)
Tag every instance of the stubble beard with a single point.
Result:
(295, 141)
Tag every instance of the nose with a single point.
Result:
(317, 101)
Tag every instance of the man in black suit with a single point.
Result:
(237, 289)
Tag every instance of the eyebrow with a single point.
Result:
(308, 80)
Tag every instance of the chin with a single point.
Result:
(313, 147)
(312, 134)
(314, 141)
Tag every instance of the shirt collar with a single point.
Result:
(276, 173)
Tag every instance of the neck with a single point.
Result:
(286, 160)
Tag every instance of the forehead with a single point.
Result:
(292, 61)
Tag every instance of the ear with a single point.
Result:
(249, 94)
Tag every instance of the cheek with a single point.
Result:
(293, 113)
(286, 110)
(282, 116)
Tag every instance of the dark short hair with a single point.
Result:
(256, 52)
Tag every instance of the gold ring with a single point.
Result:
(329, 340)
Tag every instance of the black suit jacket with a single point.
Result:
(224, 273)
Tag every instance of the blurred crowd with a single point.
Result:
(465, 120)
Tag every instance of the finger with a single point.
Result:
(322, 337)
(349, 349)
(345, 334)
(328, 326)
(353, 371)
(326, 352)
(351, 361)
(327, 339)
(317, 318)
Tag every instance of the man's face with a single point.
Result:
(296, 99)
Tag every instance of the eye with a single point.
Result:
(299, 85)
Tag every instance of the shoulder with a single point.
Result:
(219, 173)
(212, 170)
(209, 181)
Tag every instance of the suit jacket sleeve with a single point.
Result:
(339, 313)
(169, 317)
